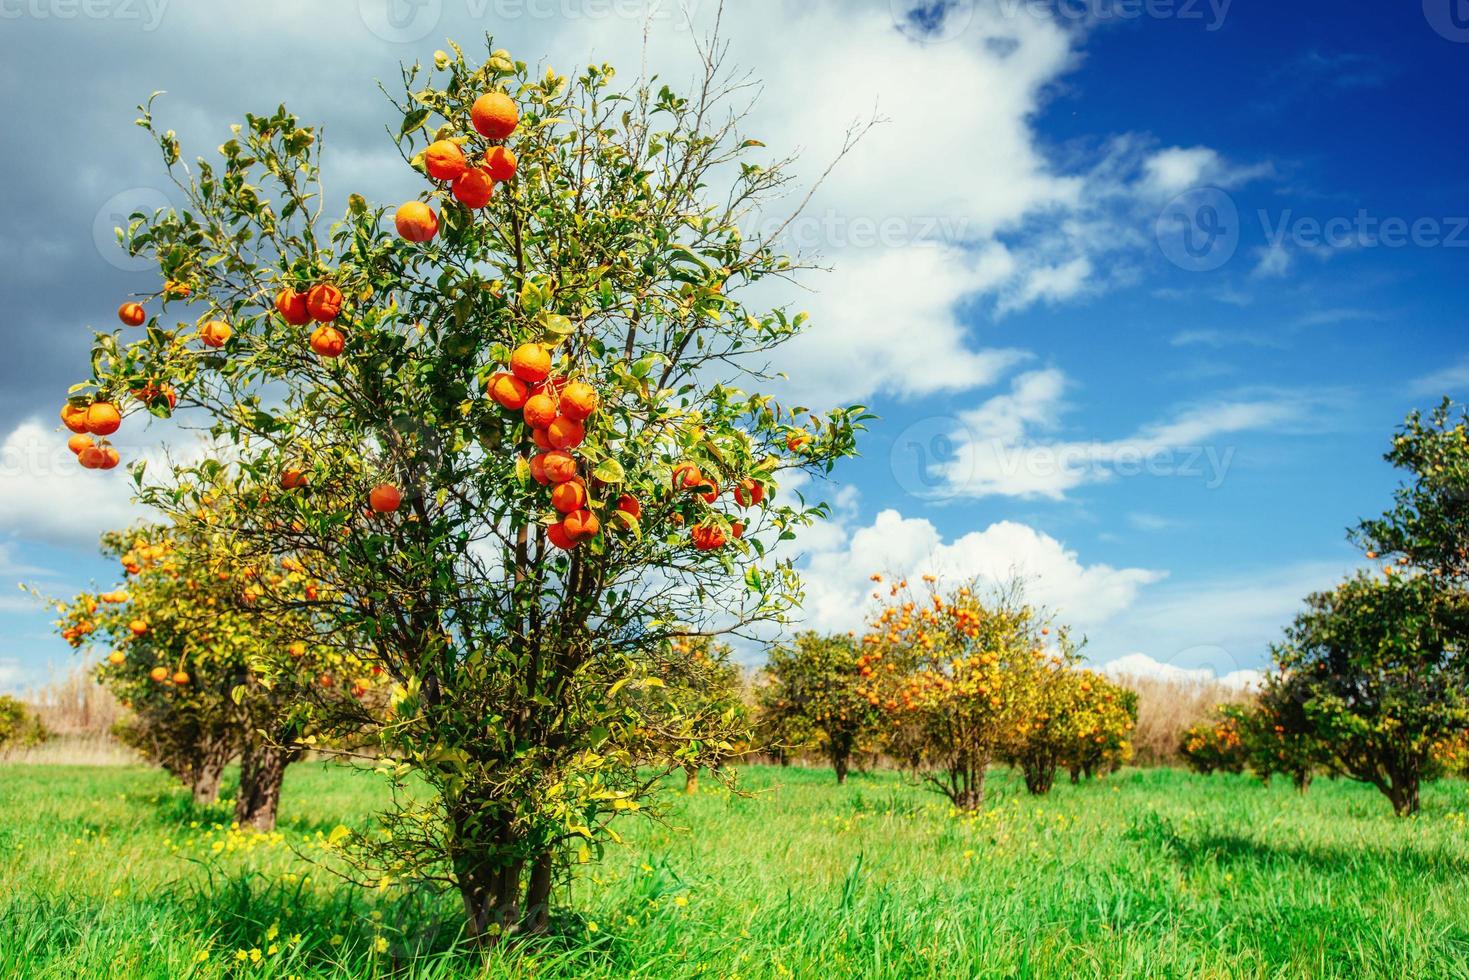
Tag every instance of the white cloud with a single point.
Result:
(1142, 665)
(46, 496)
(1452, 380)
(837, 570)
(996, 453)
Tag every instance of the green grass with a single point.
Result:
(108, 872)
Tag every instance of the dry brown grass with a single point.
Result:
(79, 714)
(1167, 707)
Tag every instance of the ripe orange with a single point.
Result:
(74, 417)
(538, 436)
(181, 677)
(291, 305)
(540, 412)
(629, 505)
(325, 680)
(132, 314)
(103, 419)
(138, 627)
(444, 160)
(749, 492)
(707, 537)
(215, 333)
(159, 674)
(416, 221)
(797, 440)
(324, 302)
(385, 498)
(110, 458)
(77, 443)
(737, 529)
(581, 525)
(556, 534)
(116, 657)
(92, 458)
(507, 390)
(538, 469)
(578, 401)
(686, 476)
(495, 115)
(531, 362)
(500, 162)
(569, 496)
(711, 491)
(559, 466)
(328, 341)
(297, 650)
(565, 433)
(292, 479)
(474, 188)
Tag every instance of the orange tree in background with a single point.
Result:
(1078, 720)
(957, 674)
(814, 685)
(1101, 728)
(511, 436)
(205, 678)
(1216, 745)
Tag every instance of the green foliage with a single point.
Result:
(1379, 668)
(1428, 525)
(1216, 745)
(813, 690)
(19, 726)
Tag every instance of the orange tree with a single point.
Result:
(19, 726)
(1379, 667)
(509, 434)
(198, 669)
(1077, 719)
(1276, 733)
(1216, 745)
(814, 684)
(956, 674)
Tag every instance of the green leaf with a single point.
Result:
(609, 471)
(412, 121)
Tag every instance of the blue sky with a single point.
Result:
(1138, 290)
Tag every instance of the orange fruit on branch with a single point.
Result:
(538, 436)
(578, 401)
(116, 657)
(74, 417)
(581, 525)
(92, 458)
(444, 160)
(531, 363)
(215, 333)
(569, 496)
(385, 498)
(474, 188)
(324, 302)
(103, 419)
(709, 492)
(540, 412)
(538, 469)
(500, 162)
(292, 479)
(749, 492)
(494, 115)
(181, 677)
(559, 466)
(416, 221)
(507, 390)
(557, 535)
(798, 440)
(630, 506)
(565, 433)
(110, 458)
(328, 341)
(291, 305)
(707, 537)
(159, 674)
(132, 314)
(686, 476)
(78, 443)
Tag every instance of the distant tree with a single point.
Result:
(1100, 728)
(1216, 745)
(815, 686)
(1278, 736)
(1428, 525)
(19, 726)
(1379, 668)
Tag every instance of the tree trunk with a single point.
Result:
(691, 780)
(1075, 775)
(205, 784)
(1302, 780)
(1404, 796)
(1040, 776)
(262, 770)
(538, 895)
(839, 763)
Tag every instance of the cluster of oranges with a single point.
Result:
(321, 304)
(495, 116)
(85, 421)
(556, 410)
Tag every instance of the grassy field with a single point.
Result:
(109, 872)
